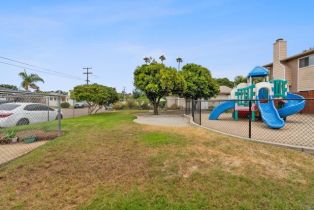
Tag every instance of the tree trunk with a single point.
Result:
(155, 108)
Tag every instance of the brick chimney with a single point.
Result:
(280, 52)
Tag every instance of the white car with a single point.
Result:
(12, 114)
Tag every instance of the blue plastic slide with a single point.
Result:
(292, 106)
(270, 114)
(221, 108)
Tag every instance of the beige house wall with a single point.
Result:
(306, 78)
(292, 74)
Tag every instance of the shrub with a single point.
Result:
(174, 107)
(65, 105)
(131, 104)
(119, 105)
(145, 105)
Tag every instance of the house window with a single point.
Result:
(306, 61)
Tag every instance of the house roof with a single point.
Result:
(2, 89)
(224, 90)
(258, 71)
(299, 55)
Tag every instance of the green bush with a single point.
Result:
(65, 105)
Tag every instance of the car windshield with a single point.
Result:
(8, 107)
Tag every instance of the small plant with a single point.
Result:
(9, 135)
(65, 105)
(30, 139)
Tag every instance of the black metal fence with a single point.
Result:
(295, 129)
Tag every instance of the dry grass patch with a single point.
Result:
(108, 162)
(240, 157)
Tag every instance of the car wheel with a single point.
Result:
(23, 121)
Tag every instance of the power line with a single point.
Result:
(87, 74)
(38, 68)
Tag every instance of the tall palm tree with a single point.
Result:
(147, 60)
(179, 61)
(30, 80)
(162, 58)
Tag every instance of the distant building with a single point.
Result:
(65, 97)
(224, 93)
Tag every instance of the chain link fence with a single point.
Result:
(272, 124)
(27, 120)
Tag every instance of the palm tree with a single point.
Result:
(147, 60)
(162, 58)
(179, 61)
(30, 80)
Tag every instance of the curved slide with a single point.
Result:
(221, 108)
(292, 106)
(270, 114)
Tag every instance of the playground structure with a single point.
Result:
(269, 100)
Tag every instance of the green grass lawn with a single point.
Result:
(108, 162)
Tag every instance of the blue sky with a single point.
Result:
(229, 37)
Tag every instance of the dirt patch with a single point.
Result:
(40, 134)
(163, 120)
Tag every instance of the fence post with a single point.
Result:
(193, 102)
(250, 118)
(73, 109)
(48, 98)
(59, 115)
(200, 112)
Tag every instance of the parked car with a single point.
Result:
(12, 114)
(79, 105)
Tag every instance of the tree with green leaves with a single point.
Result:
(162, 58)
(179, 61)
(239, 79)
(199, 82)
(30, 80)
(7, 86)
(224, 82)
(96, 96)
(157, 81)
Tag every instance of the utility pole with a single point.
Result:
(124, 93)
(87, 74)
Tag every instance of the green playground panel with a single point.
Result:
(280, 88)
(245, 94)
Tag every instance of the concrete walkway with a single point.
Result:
(163, 120)
(11, 151)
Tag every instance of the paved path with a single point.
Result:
(163, 120)
(298, 131)
(11, 151)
